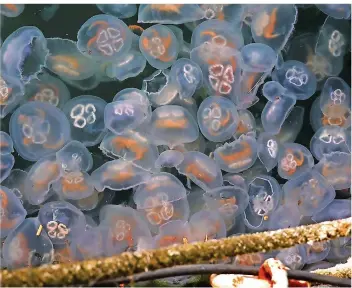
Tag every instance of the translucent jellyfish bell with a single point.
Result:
(118, 10)
(293, 160)
(337, 209)
(335, 98)
(12, 211)
(338, 11)
(221, 68)
(47, 89)
(38, 129)
(277, 108)
(316, 251)
(23, 53)
(329, 139)
(264, 196)
(61, 221)
(74, 157)
(169, 159)
(238, 155)
(268, 150)
(216, 31)
(11, 10)
(86, 116)
(6, 164)
(126, 228)
(159, 46)
(131, 146)
(201, 169)
(173, 232)
(333, 39)
(246, 124)
(310, 192)
(173, 125)
(297, 78)
(207, 225)
(104, 37)
(187, 75)
(336, 169)
(23, 248)
(294, 257)
(229, 201)
(257, 62)
(217, 118)
(118, 175)
(273, 24)
(11, 93)
(40, 178)
(6, 143)
(162, 199)
(169, 13)
(122, 115)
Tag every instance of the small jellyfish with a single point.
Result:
(159, 88)
(336, 169)
(40, 178)
(162, 199)
(284, 216)
(337, 209)
(329, 139)
(123, 115)
(86, 117)
(23, 247)
(49, 11)
(293, 160)
(294, 258)
(277, 108)
(104, 37)
(23, 53)
(74, 156)
(238, 155)
(47, 89)
(131, 146)
(268, 150)
(12, 212)
(340, 250)
(132, 94)
(159, 46)
(11, 10)
(335, 99)
(38, 129)
(6, 143)
(16, 183)
(297, 78)
(257, 62)
(333, 41)
(173, 232)
(316, 251)
(310, 192)
(229, 201)
(11, 93)
(187, 76)
(221, 68)
(68, 62)
(169, 13)
(118, 10)
(61, 221)
(6, 164)
(172, 125)
(338, 11)
(126, 228)
(118, 175)
(90, 244)
(169, 159)
(273, 24)
(246, 124)
(74, 185)
(207, 225)
(201, 169)
(217, 32)
(217, 118)
(88, 203)
(264, 196)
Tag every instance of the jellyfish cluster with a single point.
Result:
(210, 144)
